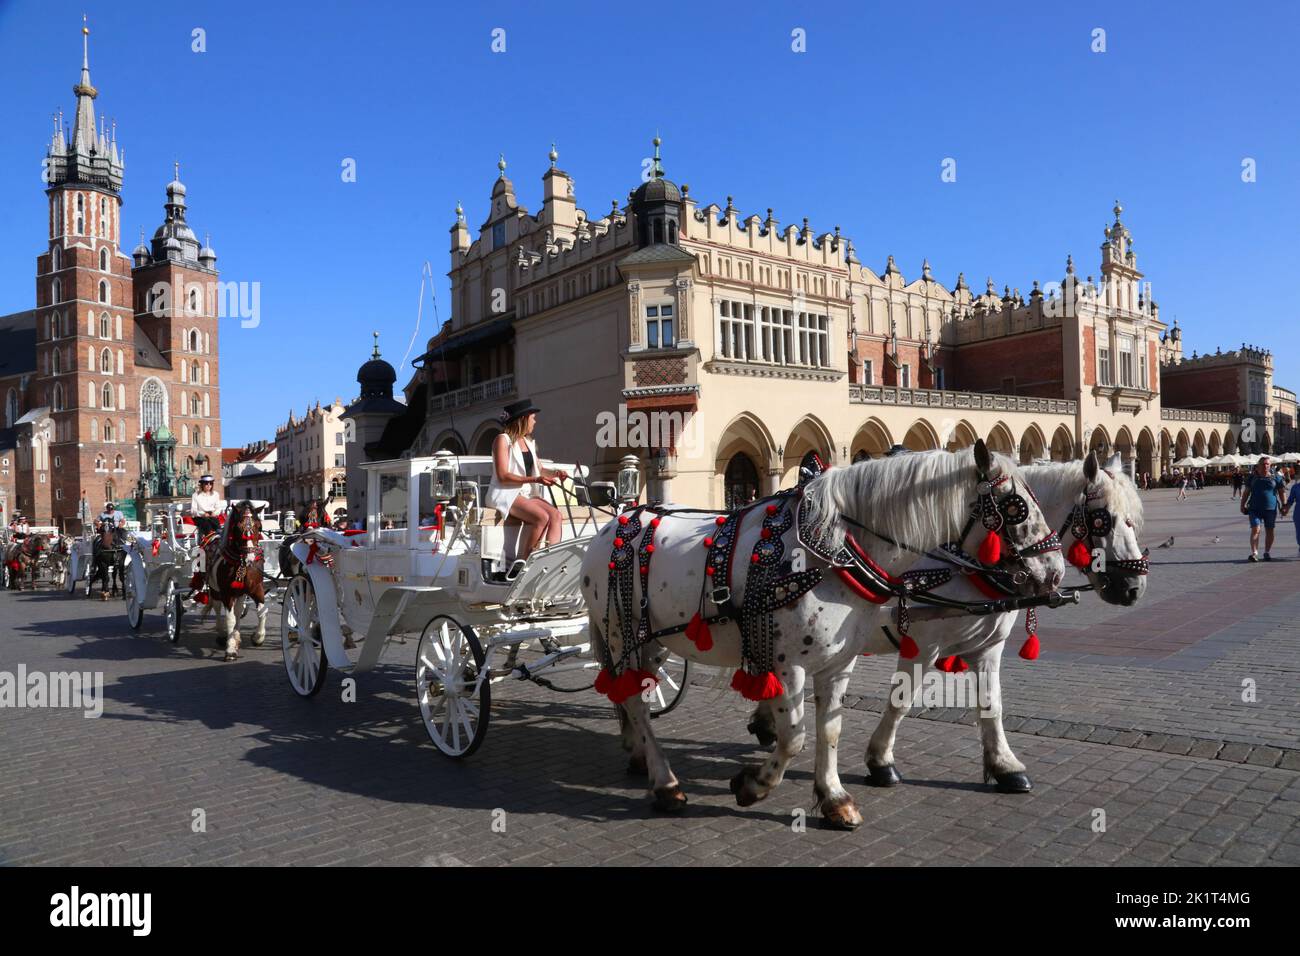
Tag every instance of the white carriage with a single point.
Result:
(50, 566)
(163, 565)
(446, 575)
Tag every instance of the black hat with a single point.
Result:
(518, 410)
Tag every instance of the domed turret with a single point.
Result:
(657, 205)
(376, 377)
(208, 255)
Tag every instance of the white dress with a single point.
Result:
(501, 497)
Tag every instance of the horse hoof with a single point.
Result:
(1017, 782)
(885, 776)
(258, 641)
(841, 814)
(636, 767)
(762, 729)
(745, 786)
(670, 799)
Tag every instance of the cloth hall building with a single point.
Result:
(768, 342)
(116, 346)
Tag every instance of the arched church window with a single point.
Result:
(108, 429)
(103, 291)
(106, 365)
(152, 410)
(103, 260)
(107, 396)
(58, 396)
(81, 215)
(105, 326)
(11, 408)
(56, 362)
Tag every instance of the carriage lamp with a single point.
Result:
(629, 478)
(443, 478)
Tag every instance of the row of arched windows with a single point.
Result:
(191, 436)
(101, 463)
(194, 373)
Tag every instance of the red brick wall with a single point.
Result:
(1035, 361)
(1210, 389)
(1089, 355)
(873, 351)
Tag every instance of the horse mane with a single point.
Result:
(882, 494)
(1064, 479)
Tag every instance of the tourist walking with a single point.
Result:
(1182, 487)
(1259, 500)
(1236, 483)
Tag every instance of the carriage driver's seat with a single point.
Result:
(499, 539)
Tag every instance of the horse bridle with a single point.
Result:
(997, 514)
(1087, 524)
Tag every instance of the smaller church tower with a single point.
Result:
(366, 419)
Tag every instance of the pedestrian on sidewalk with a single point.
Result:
(1259, 501)
(1182, 487)
(1236, 483)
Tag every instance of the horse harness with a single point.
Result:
(1085, 525)
(774, 581)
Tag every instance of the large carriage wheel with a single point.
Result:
(674, 675)
(174, 608)
(134, 607)
(300, 638)
(448, 662)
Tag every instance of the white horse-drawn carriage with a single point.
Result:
(165, 565)
(434, 561)
(47, 565)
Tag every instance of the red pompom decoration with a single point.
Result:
(654, 522)
(645, 569)
(612, 565)
(623, 519)
(990, 551)
(709, 570)
(1079, 555)
(766, 533)
(722, 519)
(618, 542)
(771, 509)
(907, 647)
(604, 681)
(947, 664)
(697, 631)
(959, 666)
(754, 559)
(649, 549)
(1029, 650)
(707, 542)
(757, 686)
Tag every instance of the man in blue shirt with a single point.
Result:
(1259, 500)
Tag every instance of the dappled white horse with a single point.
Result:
(777, 590)
(1099, 515)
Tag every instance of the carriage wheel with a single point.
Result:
(447, 664)
(175, 610)
(674, 675)
(134, 609)
(300, 638)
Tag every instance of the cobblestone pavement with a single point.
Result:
(1134, 711)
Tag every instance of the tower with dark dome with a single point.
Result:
(657, 205)
(367, 418)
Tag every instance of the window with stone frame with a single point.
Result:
(659, 327)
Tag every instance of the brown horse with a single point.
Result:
(234, 571)
(24, 558)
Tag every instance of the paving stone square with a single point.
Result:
(1137, 712)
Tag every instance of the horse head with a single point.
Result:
(245, 531)
(1109, 518)
(1010, 533)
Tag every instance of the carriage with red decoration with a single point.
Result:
(166, 563)
(434, 561)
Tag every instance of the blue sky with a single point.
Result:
(1045, 132)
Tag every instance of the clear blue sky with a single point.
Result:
(1046, 135)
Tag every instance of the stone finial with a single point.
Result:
(460, 212)
(1069, 264)
(375, 352)
(925, 270)
(553, 156)
(501, 165)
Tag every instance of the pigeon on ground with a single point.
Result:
(1216, 540)
(1169, 543)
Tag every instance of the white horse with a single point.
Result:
(1100, 540)
(804, 613)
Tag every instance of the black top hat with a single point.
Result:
(518, 410)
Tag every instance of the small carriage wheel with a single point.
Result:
(175, 609)
(134, 609)
(674, 675)
(448, 662)
(300, 638)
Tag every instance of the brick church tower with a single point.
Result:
(123, 345)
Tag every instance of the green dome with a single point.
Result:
(163, 433)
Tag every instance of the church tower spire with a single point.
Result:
(90, 156)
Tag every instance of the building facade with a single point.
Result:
(723, 348)
(310, 459)
(117, 345)
(249, 472)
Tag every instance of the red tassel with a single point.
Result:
(237, 585)
(604, 681)
(765, 687)
(1029, 650)
(1079, 555)
(907, 647)
(697, 630)
(947, 664)
(201, 597)
(960, 666)
(990, 551)
(740, 682)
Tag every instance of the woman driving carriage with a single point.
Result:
(516, 472)
(203, 507)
